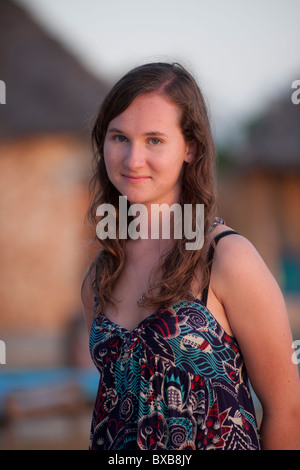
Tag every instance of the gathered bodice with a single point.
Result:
(176, 381)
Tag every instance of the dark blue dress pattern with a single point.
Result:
(177, 381)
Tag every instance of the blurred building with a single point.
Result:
(260, 195)
(45, 158)
(261, 190)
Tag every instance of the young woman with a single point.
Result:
(175, 333)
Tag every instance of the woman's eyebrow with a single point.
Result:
(155, 133)
(114, 129)
(150, 133)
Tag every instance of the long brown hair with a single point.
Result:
(198, 182)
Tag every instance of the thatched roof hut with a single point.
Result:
(261, 195)
(47, 88)
(273, 139)
(45, 158)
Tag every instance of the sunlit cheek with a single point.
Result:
(109, 157)
(113, 155)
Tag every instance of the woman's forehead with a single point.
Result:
(149, 113)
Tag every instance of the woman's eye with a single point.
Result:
(120, 138)
(154, 141)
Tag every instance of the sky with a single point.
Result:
(243, 53)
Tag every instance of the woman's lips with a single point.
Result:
(136, 179)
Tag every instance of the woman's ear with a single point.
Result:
(191, 151)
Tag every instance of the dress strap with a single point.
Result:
(217, 221)
(210, 255)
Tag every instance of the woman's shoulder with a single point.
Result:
(237, 261)
(232, 248)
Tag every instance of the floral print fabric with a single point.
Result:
(176, 382)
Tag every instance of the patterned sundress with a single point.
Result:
(177, 381)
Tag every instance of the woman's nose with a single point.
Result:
(134, 157)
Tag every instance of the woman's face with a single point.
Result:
(144, 151)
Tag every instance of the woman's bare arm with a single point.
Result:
(257, 315)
